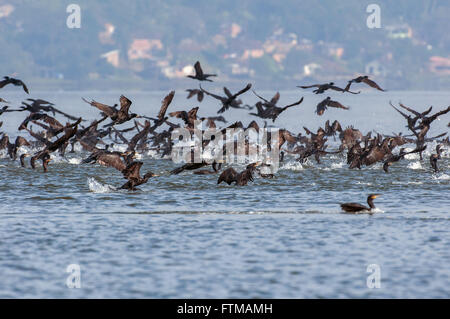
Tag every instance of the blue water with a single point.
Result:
(187, 237)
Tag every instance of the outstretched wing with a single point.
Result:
(228, 176)
(132, 170)
(211, 94)
(165, 104)
(275, 98)
(227, 92)
(125, 104)
(336, 104)
(309, 86)
(108, 110)
(248, 87)
(294, 104)
(372, 84)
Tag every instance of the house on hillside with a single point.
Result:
(439, 65)
(375, 68)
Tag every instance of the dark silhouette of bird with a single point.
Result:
(132, 173)
(230, 99)
(435, 157)
(199, 75)
(357, 208)
(199, 93)
(363, 79)
(269, 109)
(321, 88)
(230, 175)
(322, 106)
(16, 82)
(118, 116)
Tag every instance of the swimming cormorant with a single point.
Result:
(356, 208)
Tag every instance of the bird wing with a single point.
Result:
(336, 104)
(228, 176)
(248, 87)
(336, 126)
(227, 92)
(25, 87)
(353, 207)
(111, 160)
(372, 84)
(275, 98)
(261, 97)
(293, 104)
(309, 86)
(4, 82)
(410, 110)
(54, 124)
(108, 110)
(165, 104)
(220, 98)
(125, 104)
(132, 170)
(192, 92)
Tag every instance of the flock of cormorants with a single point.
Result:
(362, 150)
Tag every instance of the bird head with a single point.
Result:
(373, 196)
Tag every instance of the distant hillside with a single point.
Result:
(266, 40)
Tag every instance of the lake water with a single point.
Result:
(187, 237)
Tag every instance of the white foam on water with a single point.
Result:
(292, 166)
(99, 188)
(441, 177)
(74, 161)
(415, 165)
(407, 183)
(363, 183)
(337, 165)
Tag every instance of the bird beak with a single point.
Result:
(258, 163)
(376, 195)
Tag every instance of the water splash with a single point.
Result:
(99, 188)
(415, 165)
(292, 166)
(74, 161)
(441, 177)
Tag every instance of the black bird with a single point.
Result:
(230, 99)
(117, 116)
(356, 208)
(434, 158)
(271, 109)
(363, 79)
(70, 131)
(5, 109)
(322, 106)
(208, 172)
(199, 75)
(321, 88)
(7, 80)
(241, 179)
(132, 173)
(40, 105)
(197, 92)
